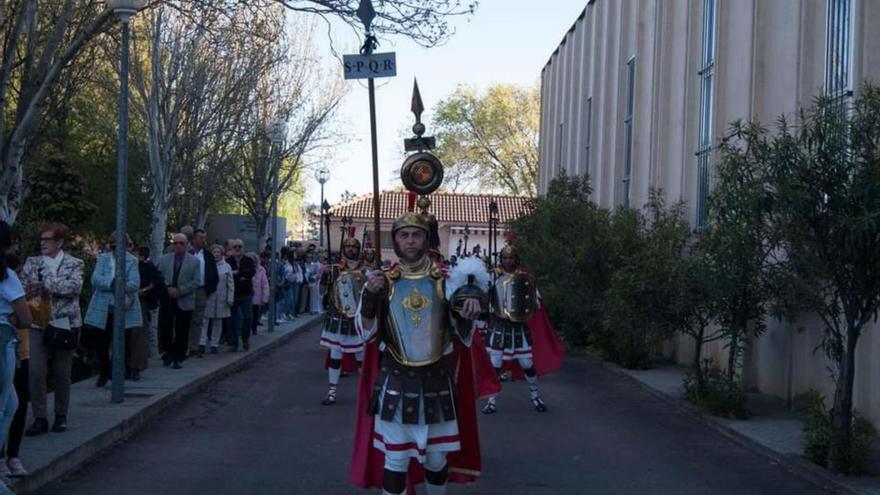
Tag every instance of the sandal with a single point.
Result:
(539, 405)
(489, 408)
(331, 398)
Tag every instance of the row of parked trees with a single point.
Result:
(793, 229)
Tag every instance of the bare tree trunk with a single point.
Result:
(698, 358)
(157, 234)
(843, 406)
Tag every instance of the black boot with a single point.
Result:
(40, 426)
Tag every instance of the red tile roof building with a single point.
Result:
(454, 212)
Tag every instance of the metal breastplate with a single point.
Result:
(346, 292)
(418, 329)
(516, 296)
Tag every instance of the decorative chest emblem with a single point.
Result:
(416, 302)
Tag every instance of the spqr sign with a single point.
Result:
(370, 66)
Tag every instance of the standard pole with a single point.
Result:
(321, 225)
(377, 243)
(118, 375)
(273, 261)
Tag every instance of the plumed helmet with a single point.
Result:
(411, 219)
(351, 241)
(510, 249)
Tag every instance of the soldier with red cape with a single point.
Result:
(339, 336)
(417, 395)
(520, 335)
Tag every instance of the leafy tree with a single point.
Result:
(490, 140)
(57, 193)
(825, 183)
(640, 305)
(739, 242)
(565, 240)
(695, 306)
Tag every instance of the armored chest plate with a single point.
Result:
(418, 328)
(517, 295)
(347, 292)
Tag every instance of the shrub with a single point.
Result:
(821, 441)
(713, 396)
(565, 241)
(640, 304)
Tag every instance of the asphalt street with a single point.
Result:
(263, 431)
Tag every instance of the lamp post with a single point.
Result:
(277, 133)
(124, 10)
(467, 235)
(322, 175)
(493, 232)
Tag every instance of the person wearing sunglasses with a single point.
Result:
(181, 273)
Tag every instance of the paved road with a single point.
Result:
(262, 431)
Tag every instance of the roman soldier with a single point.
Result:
(345, 282)
(417, 395)
(519, 331)
(369, 255)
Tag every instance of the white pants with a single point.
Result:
(216, 330)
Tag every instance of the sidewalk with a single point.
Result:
(773, 431)
(95, 424)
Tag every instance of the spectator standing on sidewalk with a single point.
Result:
(57, 277)
(151, 287)
(181, 270)
(285, 275)
(218, 307)
(14, 313)
(208, 280)
(101, 312)
(296, 280)
(243, 269)
(314, 278)
(11, 466)
(261, 292)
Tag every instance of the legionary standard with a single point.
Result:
(417, 397)
(339, 335)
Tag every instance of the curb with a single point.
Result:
(88, 451)
(800, 467)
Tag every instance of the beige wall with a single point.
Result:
(770, 59)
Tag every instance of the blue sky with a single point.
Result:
(505, 41)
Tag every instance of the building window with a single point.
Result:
(707, 110)
(559, 170)
(588, 138)
(628, 128)
(838, 51)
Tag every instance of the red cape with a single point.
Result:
(367, 463)
(349, 363)
(547, 347)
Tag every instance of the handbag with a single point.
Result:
(58, 338)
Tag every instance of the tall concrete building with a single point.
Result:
(639, 92)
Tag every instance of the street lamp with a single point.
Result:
(277, 134)
(493, 232)
(322, 175)
(467, 235)
(124, 10)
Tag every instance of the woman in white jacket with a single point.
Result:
(219, 304)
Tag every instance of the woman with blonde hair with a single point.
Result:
(219, 304)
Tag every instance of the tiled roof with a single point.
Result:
(447, 207)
